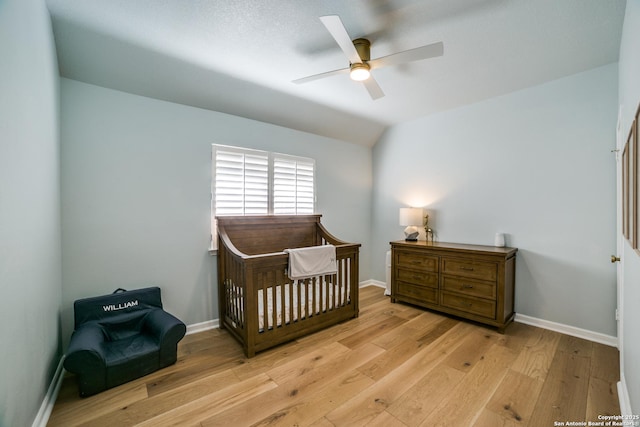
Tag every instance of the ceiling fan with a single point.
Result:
(360, 62)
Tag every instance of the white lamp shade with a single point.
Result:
(410, 216)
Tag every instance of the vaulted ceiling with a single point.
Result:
(240, 57)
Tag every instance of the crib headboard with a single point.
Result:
(254, 235)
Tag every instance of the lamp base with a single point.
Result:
(411, 233)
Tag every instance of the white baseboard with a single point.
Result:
(42, 417)
(203, 326)
(568, 330)
(372, 282)
(623, 397)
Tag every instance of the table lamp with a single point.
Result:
(411, 218)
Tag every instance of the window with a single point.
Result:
(240, 182)
(293, 185)
(254, 182)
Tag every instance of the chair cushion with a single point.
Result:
(130, 358)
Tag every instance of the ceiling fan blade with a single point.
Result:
(417, 54)
(339, 33)
(374, 89)
(321, 76)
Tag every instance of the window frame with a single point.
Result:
(271, 158)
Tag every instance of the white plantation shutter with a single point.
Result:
(293, 185)
(253, 182)
(241, 182)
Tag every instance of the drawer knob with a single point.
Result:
(466, 268)
(417, 277)
(467, 286)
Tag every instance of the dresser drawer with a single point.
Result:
(417, 261)
(472, 287)
(419, 293)
(480, 307)
(422, 278)
(468, 268)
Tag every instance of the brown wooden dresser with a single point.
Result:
(470, 281)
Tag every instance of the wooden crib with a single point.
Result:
(258, 303)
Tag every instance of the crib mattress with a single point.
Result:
(302, 299)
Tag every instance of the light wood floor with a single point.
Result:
(395, 365)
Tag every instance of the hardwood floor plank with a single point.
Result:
(318, 403)
(378, 311)
(577, 346)
(605, 362)
(469, 397)
(361, 409)
(394, 365)
(187, 371)
(70, 409)
(379, 328)
(517, 335)
(515, 398)
(211, 404)
(246, 368)
(564, 393)
(388, 361)
(440, 328)
(471, 351)
(489, 418)
(307, 362)
(413, 407)
(371, 294)
(205, 341)
(412, 329)
(538, 354)
(602, 398)
(385, 419)
(181, 396)
(289, 394)
(322, 422)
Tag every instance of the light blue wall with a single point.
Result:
(629, 95)
(30, 265)
(535, 164)
(136, 176)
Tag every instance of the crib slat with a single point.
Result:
(281, 309)
(299, 304)
(273, 314)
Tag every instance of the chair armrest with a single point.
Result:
(168, 330)
(85, 351)
(164, 326)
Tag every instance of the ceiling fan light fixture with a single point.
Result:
(359, 72)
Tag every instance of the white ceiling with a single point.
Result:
(240, 56)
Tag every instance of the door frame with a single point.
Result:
(620, 139)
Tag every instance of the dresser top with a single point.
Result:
(462, 247)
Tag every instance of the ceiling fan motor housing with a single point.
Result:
(363, 46)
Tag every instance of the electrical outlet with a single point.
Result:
(617, 315)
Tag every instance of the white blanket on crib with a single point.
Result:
(311, 261)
